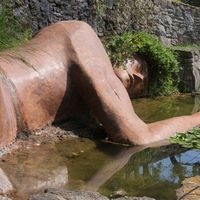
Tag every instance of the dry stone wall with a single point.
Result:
(37, 14)
(174, 23)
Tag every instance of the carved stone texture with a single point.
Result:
(134, 76)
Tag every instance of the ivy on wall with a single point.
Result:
(162, 62)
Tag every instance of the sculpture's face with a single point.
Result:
(134, 77)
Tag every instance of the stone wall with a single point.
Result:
(174, 23)
(37, 14)
(189, 70)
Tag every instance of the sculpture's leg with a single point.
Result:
(94, 79)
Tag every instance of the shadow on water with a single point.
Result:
(108, 168)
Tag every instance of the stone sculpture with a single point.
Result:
(62, 73)
(134, 76)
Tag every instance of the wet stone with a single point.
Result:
(190, 189)
(57, 194)
(4, 198)
(5, 184)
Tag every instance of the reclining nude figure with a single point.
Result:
(60, 73)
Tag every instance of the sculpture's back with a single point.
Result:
(36, 89)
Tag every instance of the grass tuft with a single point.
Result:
(12, 33)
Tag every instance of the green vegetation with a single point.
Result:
(11, 32)
(98, 8)
(176, 0)
(189, 139)
(162, 62)
(185, 47)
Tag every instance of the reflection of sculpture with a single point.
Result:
(147, 172)
(34, 169)
(58, 75)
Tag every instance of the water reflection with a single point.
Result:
(33, 169)
(155, 172)
(159, 108)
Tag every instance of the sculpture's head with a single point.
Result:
(134, 76)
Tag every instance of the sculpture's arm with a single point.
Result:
(116, 164)
(166, 128)
(94, 79)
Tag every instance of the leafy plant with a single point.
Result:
(162, 61)
(189, 139)
(120, 48)
(11, 32)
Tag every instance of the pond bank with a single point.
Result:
(33, 165)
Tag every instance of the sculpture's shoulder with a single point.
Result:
(65, 29)
(72, 23)
(73, 26)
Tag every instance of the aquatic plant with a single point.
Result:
(162, 61)
(189, 139)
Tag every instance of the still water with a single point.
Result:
(108, 168)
